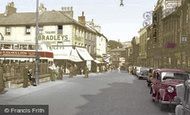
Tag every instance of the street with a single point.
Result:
(110, 93)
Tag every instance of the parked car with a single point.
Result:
(142, 72)
(183, 99)
(164, 84)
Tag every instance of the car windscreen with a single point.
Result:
(174, 75)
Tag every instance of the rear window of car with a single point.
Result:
(173, 75)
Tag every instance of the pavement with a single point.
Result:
(109, 93)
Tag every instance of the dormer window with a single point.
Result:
(7, 31)
(27, 30)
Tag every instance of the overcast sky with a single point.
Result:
(117, 22)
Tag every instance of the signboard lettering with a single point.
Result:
(24, 54)
(51, 37)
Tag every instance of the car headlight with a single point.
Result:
(170, 89)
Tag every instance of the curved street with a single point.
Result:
(110, 93)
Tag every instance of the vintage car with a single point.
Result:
(142, 72)
(183, 99)
(164, 82)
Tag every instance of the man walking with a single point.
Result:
(2, 84)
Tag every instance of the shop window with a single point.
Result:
(16, 46)
(31, 47)
(27, 31)
(7, 31)
(7, 46)
(23, 47)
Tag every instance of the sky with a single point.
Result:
(117, 23)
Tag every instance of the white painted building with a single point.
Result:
(57, 30)
(101, 41)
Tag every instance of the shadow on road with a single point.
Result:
(121, 99)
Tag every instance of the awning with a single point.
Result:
(84, 54)
(68, 53)
(96, 61)
(74, 56)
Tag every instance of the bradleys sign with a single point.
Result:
(53, 37)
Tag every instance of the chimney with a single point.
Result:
(42, 8)
(68, 11)
(10, 9)
(81, 19)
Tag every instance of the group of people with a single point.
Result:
(56, 72)
(73, 71)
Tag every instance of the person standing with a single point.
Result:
(31, 78)
(2, 84)
(71, 70)
(60, 71)
(86, 71)
(52, 72)
(25, 76)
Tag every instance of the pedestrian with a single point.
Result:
(25, 76)
(2, 84)
(75, 70)
(86, 71)
(60, 71)
(31, 78)
(52, 72)
(71, 70)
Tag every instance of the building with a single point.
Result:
(184, 36)
(129, 51)
(118, 56)
(71, 41)
(135, 51)
(143, 37)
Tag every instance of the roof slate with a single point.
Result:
(28, 18)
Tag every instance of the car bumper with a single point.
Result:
(168, 102)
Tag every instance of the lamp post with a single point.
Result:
(121, 3)
(36, 44)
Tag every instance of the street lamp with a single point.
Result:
(36, 43)
(121, 3)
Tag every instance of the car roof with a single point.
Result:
(170, 70)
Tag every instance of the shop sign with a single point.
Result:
(52, 36)
(24, 54)
(56, 37)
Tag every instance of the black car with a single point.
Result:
(183, 99)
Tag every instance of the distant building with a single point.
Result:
(118, 56)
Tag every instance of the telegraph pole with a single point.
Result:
(37, 46)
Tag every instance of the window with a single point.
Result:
(183, 39)
(60, 29)
(7, 46)
(40, 29)
(16, 46)
(23, 47)
(27, 30)
(7, 31)
(187, 18)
